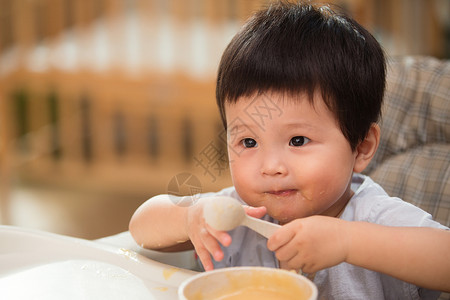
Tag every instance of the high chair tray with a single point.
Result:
(42, 265)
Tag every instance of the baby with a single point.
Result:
(300, 91)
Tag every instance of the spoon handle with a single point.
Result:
(260, 226)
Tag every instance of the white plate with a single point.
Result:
(42, 265)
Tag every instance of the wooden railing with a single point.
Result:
(113, 133)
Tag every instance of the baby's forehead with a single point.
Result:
(272, 101)
(275, 104)
(262, 107)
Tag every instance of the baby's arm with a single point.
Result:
(414, 254)
(419, 255)
(161, 224)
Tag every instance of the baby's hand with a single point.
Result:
(311, 244)
(205, 238)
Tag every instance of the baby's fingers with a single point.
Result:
(211, 245)
(222, 236)
(205, 258)
(280, 239)
(256, 212)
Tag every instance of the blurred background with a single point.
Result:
(105, 103)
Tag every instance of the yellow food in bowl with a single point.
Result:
(259, 293)
(248, 283)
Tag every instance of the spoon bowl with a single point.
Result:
(226, 213)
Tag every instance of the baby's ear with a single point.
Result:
(367, 148)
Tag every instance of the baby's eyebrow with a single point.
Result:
(300, 125)
(239, 126)
(237, 130)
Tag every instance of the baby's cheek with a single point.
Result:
(333, 181)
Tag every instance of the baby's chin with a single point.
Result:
(283, 218)
(286, 214)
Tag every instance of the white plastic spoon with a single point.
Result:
(226, 213)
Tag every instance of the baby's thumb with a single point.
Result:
(256, 212)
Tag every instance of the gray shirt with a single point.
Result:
(370, 203)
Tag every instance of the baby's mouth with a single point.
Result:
(282, 193)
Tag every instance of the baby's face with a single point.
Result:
(289, 156)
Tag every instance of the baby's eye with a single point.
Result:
(298, 141)
(249, 143)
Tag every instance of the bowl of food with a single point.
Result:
(247, 283)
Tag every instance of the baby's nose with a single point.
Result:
(273, 164)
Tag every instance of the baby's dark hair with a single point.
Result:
(303, 48)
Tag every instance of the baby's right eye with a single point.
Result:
(249, 143)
